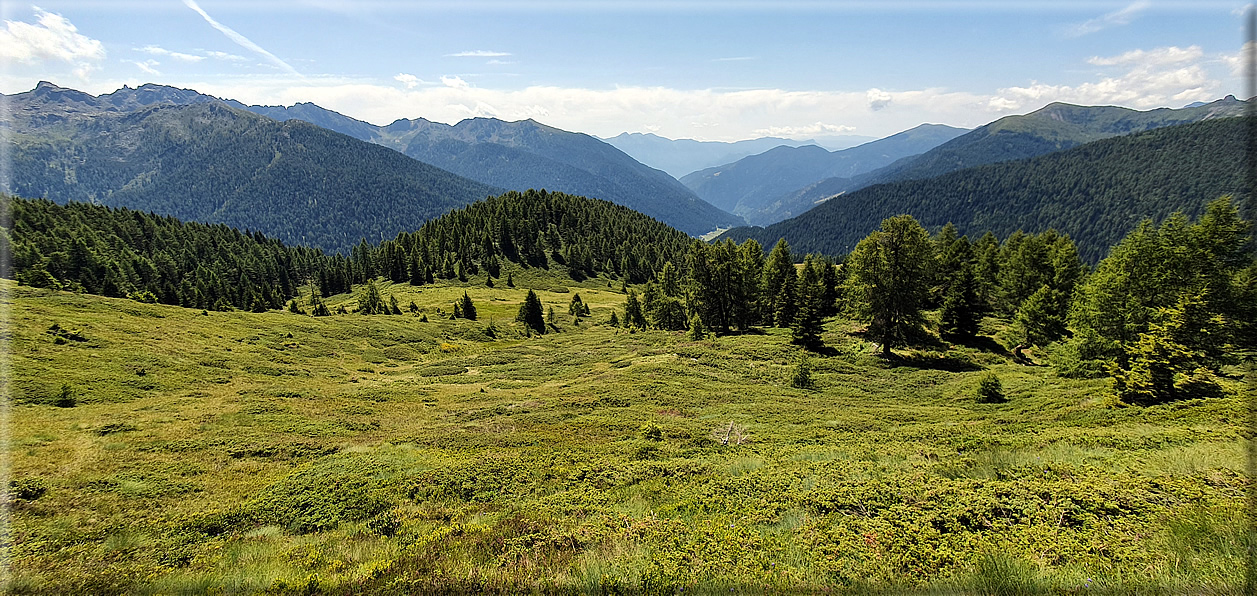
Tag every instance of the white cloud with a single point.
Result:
(818, 128)
(51, 37)
(160, 51)
(1148, 84)
(225, 56)
(478, 54)
(496, 62)
(409, 80)
(878, 99)
(1237, 63)
(1155, 57)
(241, 40)
(454, 82)
(146, 66)
(1112, 19)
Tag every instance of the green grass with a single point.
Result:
(242, 453)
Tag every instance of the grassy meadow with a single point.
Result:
(161, 450)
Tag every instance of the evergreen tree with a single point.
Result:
(371, 302)
(633, 316)
(530, 313)
(1038, 321)
(393, 307)
(697, 330)
(889, 278)
(963, 306)
(806, 329)
(469, 309)
(776, 269)
(577, 307)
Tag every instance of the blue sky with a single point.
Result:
(691, 69)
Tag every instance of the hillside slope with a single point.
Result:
(210, 163)
(1096, 192)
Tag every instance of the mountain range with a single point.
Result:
(680, 157)
(504, 155)
(527, 154)
(1096, 192)
(752, 186)
(208, 162)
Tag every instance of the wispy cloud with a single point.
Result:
(241, 40)
(50, 37)
(1113, 19)
(146, 66)
(409, 80)
(818, 128)
(225, 56)
(1155, 57)
(497, 62)
(478, 54)
(160, 51)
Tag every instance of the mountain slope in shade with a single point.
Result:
(1096, 193)
(528, 154)
(1054, 127)
(212, 163)
(751, 186)
(684, 156)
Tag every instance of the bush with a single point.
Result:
(990, 390)
(802, 378)
(651, 432)
(65, 397)
(27, 489)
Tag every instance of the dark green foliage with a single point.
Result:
(1092, 192)
(468, 308)
(1168, 307)
(962, 307)
(776, 298)
(577, 307)
(990, 390)
(371, 302)
(295, 308)
(801, 378)
(27, 489)
(119, 252)
(530, 313)
(633, 316)
(889, 282)
(584, 234)
(1040, 319)
(66, 397)
(806, 328)
(697, 330)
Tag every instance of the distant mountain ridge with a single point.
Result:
(753, 186)
(172, 153)
(1095, 192)
(680, 157)
(515, 155)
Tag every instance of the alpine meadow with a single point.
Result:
(295, 350)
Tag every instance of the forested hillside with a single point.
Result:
(1095, 193)
(211, 163)
(1052, 128)
(122, 252)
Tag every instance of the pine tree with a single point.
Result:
(773, 293)
(633, 317)
(577, 307)
(371, 302)
(962, 307)
(806, 328)
(530, 313)
(469, 309)
(697, 330)
(1038, 321)
(393, 307)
